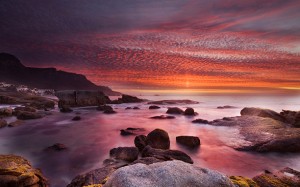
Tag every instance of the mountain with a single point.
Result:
(14, 72)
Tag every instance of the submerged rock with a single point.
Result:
(158, 139)
(286, 177)
(104, 107)
(163, 117)
(3, 123)
(65, 109)
(154, 107)
(200, 121)
(189, 141)
(129, 154)
(171, 173)
(16, 171)
(56, 147)
(226, 107)
(131, 131)
(166, 155)
(174, 110)
(171, 102)
(16, 123)
(76, 118)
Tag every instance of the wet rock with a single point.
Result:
(292, 117)
(286, 177)
(174, 110)
(129, 99)
(16, 123)
(6, 112)
(163, 117)
(131, 131)
(171, 173)
(135, 108)
(28, 115)
(166, 155)
(16, 171)
(189, 141)
(263, 134)
(200, 121)
(3, 123)
(240, 181)
(104, 107)
(189, 112)
(173, 102)
(109, 111)
(146, 160)
(128, 108)
(154, 107)
(65, 109)
(56, 147)
(266, 113)
(158, 139)
(19, 110)
(76, 118)
(129, 154)
(226, 107)
(140, 142)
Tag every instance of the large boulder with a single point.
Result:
(28, 115)
(79, 98)
(3, 123)
(189, 141)
(166, 155)
(16, 171)
(292, 117)
(286, 177)
(174, 110)
(265, 113)
(262, 134)
(172, 173)
(158, 139)
(129, 154)
(19, 110)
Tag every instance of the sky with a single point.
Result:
(178, 46)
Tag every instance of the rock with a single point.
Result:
(135, 108)
(163, 117)
(42, 103)
(225, 107)
(131, 99)
(76, 118)
(65, 109)
(131, 131)
(292, 117)
(189, 141)
(19, 110)
(128, 108)
(94, 177)
(129, 154)
(174, 110)
(16, 171)
(3, 123)
(263, 134)
(200, 121)
(108, 110)
(240, 181)
(166, 155)
(189, 112)
(266, 113)
(171, 173)
(140, 142)
(286, 177)
(173, 102)
(6, 112)
(79, 98)
(56, 147)
(28, 115)
(154, 107)
(146, 160)
(158, 139)
(15, 123)
(104, 107)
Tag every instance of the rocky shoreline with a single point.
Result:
(151, 162)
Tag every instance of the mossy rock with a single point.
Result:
(15, 171)
(243, 181)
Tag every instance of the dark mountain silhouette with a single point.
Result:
(14, 72)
